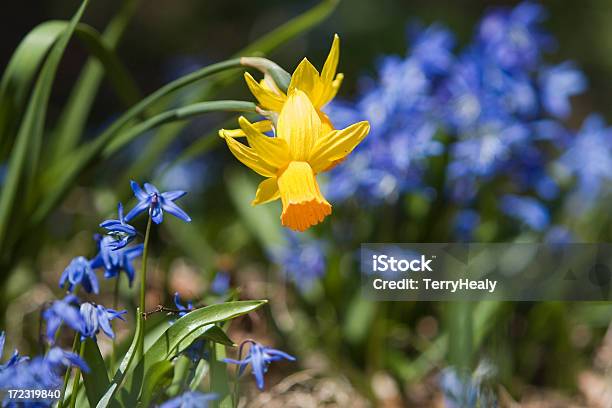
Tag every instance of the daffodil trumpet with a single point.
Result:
(301, 148)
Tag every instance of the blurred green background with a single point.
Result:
(166, 36)
(538, 347)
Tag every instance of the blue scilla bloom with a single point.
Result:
(56, 358)
(39, 373)
(113, 261)
(462, 390)
(558, 84)
(589, 156)
(119, 229)
(154, 201)
(459, 391)
(514, 38)
(191, 399)
(80, 272)
(183, 309)
(96, 318)
(558, 234)
(465, 223)
(221, 283)
(302, 259)
(63, 311)
(433, 48)
(487, 149)
(259, 357)
(528, 210)
(14, 359)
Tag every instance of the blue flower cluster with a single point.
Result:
(38, 373)
(494, 110)
(87, 319)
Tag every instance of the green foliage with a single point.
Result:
(96, 381)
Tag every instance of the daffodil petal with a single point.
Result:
(330, 91)
(272, 150)
(326, 123)
(249, 158)
(299, 124)
(331, 63)
(261, 126)
(336, 145)
(306, 78)
(266, 191)
(268, 99)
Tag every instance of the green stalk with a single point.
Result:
(115, 304)
(60, 177)
(143, 287)
(77, 377)
(75, 344)
(174, 115)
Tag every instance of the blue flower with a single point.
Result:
(183, 309)
(98, 317)
(56, 357)
(466, 221)
(259, 357)
(433, 48)
(191, 399)
(39, 373)
(526, 209)
(221, 283)
(14, 359)
(589, 157)
(462, 390)
(116, 260)
(302, 259)
(80, 272)
(154, 201)
(558, 84)
(63, 311)
(514, 38)
(119, 229)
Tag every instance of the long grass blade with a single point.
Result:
(30, 132)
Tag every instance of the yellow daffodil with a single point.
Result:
(302, 147)
(320, 88)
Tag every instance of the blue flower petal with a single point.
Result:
(175, 210)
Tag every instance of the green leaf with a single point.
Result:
(183, 333)
(96, 381)
(72, 121)
(159, 376)
(180, 114)
(292, 28)
(219, 379)
(108, 397)
(20, 73)
(194, 325)
(29, 137)
(214, 334)
(64, 173)
(263, 220)
(264, 45)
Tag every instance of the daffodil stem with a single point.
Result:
(75, 344)
(143, 285)
(77, 376)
